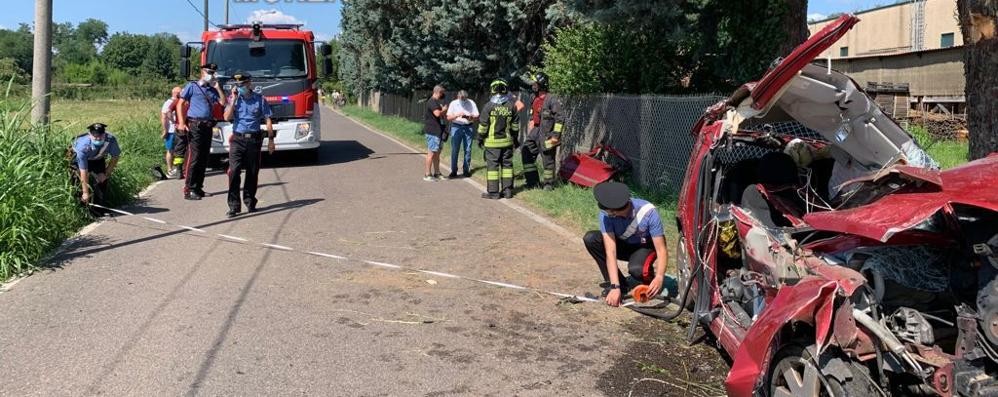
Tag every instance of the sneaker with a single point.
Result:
(191, 196)
(438, 177)
(453, 175)
(173, 173)
(490, 196)
(428, 178)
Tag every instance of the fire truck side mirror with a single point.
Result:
(327, 66)
(185, 67)
(185, 50)
(325, 50)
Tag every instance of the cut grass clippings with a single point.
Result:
(39, 207)
(570, 205)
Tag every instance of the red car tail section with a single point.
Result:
(771, 84)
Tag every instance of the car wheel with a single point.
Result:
(684, 271)
(795, 374)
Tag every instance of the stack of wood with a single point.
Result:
(941, 126)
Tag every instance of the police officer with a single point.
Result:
(194, 127)
(497, 134)
(90, 154)
(248, 110)
(543, 134)
(630, 229)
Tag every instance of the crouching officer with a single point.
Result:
(90, 155)
(497, 134)
(249, 110)
(543, 134)
(630, 229)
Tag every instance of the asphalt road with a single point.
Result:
(136, 308)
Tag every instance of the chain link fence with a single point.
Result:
(653, 131)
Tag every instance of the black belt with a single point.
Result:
(248, 133)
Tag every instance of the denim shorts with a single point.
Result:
(432, 143)
(168, 141)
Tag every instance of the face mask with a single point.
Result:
(243, 91)
(97, 142)
(208, 78)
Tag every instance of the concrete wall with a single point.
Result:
(929, 73)
(941, 17)
(887, 30)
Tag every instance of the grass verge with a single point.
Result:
(572, 206)
(949, 153)
(38, 205)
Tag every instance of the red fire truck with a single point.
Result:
(282, 60)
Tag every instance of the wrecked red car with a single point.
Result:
(825, 251)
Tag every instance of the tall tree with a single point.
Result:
(978, 24)
(795, 25)
(126, 51)
(397, 46)
(17, 45)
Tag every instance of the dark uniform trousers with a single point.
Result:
(100, 190)
(532, 148)
(244, 154)
(195, 147)
(640, 259)
(499, 167)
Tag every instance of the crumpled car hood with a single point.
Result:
(974, 184)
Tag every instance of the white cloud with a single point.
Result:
(322, 36)
(272, 16)
(816, 16)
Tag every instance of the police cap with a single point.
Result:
(612, 195)
(241, 77)
(97, 128)
(210, 66)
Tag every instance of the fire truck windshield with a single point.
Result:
(265, 58)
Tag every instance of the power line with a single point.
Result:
(198, 10)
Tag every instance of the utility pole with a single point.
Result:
(41, 76)
(205, 15)
(226, 12)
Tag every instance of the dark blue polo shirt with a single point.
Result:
(201, 99)
(249, 112)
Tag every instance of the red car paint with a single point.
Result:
(896, 213)
(818, 299)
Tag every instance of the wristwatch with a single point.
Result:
(614, 286)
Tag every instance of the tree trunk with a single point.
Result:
(978, 21)
(795, 21)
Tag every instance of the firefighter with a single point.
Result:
(247, 110)
(194, 128)
(90, 156)
(497, 136)
(544, 134)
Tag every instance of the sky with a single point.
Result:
(179, 16)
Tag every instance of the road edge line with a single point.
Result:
(560, 230)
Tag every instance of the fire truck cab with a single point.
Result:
(282, 60)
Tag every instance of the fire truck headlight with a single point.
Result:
(303, 130)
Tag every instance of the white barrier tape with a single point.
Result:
(233, 237)
(373, 263)
(279, 247)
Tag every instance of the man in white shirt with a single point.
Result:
(168, 120)
(461, 113)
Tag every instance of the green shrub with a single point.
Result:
(38, 205)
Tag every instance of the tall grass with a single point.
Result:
(39, 206)
(949, 153)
